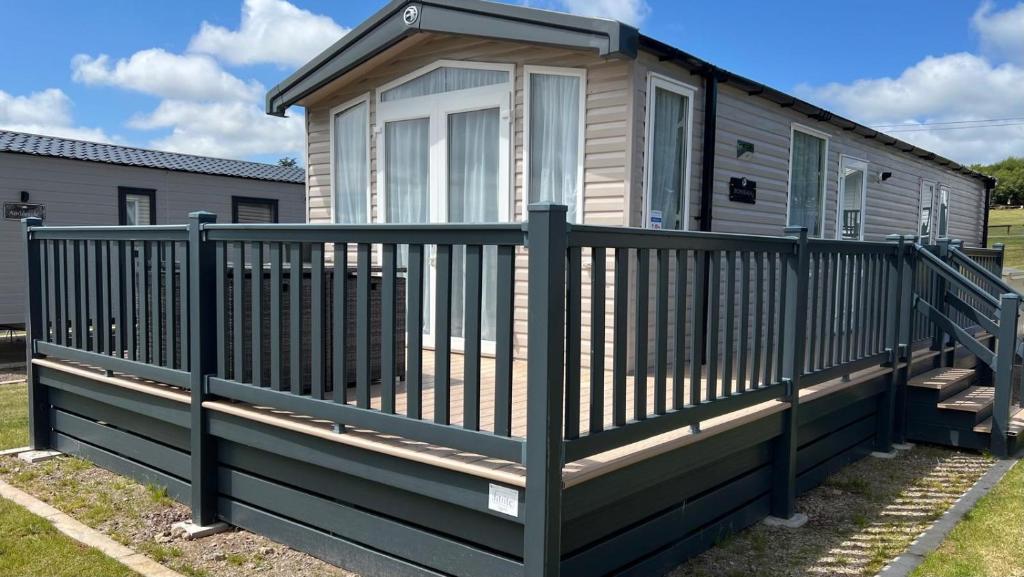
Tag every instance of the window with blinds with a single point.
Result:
(253, 210)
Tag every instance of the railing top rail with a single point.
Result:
(454, 234)
(148, 232)
(850, 246)
(979, 251)
(631, 237)
(982, 271)
(951, 275)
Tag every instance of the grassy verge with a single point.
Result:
(31, 546)
(988, 540)
(1014, 241)
(13, 416)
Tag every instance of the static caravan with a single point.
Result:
(72, 182)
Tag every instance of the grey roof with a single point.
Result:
(509, 22)
(24, 143)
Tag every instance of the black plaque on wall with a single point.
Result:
(742, 190)
(20, 210)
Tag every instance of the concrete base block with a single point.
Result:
(795, 522)
(903, 446)
(189, 530)
(14, 451)
(38, 456)
(880, 455)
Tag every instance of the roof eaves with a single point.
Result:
(468, 17)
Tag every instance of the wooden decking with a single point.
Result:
(478, 465)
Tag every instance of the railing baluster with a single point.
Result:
(339, 323)
(414, 319)
(276, 314)
(781, 344)
(471, 326)
(619, 351)
(825, 335)
(316, 329)
(597, 323)
(142, 282)
(237, 314)
(154, 303)
(756, 378)
(815, 286)
(697, 335)
(730, 321)
(256, 317)
(51, 321)
(643, 280)
(183, 304)
(661, 335)
(61, 264)
(131, 297)
(573, 341)
(295, 339)
(772, 325)
(679, 354)
(91, 280)
(116, 297)
(105, 315)
(503, 341)
(388, 320)
(714, 315)
(363, 326)
(741, 374)
(442, 336)
(169, 349)
(220, 249)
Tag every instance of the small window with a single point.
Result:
(246, 210)
(350, 160)
(808, 158)
(925, 221)
(445, 79)
(554, 124)
(137, 206)
(667, 182)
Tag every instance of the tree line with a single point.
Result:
(1010, 173)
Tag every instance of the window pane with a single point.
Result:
(943, 211)
(445, 79)
(807, 182)
(254, 212)
(407, 173)
(853, 188)
(668, 159)
(351, 163)
(927, 193)
(554, 139)
(137, 209)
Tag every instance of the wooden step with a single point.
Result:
(1015, 428)
(972, 400)
(941, 378)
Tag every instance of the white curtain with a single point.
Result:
(407, 174)
(473, 144)
(806, 182)
(445, 79)
(669, 157)
(555, 140)
(352, 165)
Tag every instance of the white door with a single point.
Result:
(943, 228)
(853, 190)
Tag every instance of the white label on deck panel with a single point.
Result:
(503, 500)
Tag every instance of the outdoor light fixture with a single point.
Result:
(24, 196)
(884, 176)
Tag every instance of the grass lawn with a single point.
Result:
(1015, 240)
(13, 416)
(988, 541)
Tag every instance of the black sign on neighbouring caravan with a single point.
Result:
(20, 210)
(742, 190)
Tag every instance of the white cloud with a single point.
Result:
(629, 11)
(223, 129)
(1001, 33)
(950, 88)
(271, 31)
(161, 73)
(46, 112)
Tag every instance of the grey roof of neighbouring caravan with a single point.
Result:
(24, 143)
(509, 22)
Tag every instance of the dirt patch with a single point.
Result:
(141, 517)
(12, 375)
(859, 519)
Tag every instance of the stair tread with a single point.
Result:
(972, 399)
(940, 378)
(1015, 428)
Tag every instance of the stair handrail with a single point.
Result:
(952, 275)
(988, 275)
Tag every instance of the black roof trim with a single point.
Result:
(66, 148)
(467, 17)
(696, 65)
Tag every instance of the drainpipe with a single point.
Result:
(707, 180)
(988, 206)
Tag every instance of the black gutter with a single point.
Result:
(988, 206)
(707, 181)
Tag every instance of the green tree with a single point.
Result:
(1010, 173)
(288, 161)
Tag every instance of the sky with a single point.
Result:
(191, 75)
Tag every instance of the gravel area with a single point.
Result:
(141, 517)
(12, 375)
(859, 519)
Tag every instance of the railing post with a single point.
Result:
(1000, 257)
(907, 273)
(1005, 351)
(885, 424)
(546, 242)
(202, 290)
(939, 337)
(38, 403)
(783, 498)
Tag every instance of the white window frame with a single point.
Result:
(654, 81)
(861, 164)
(364, 98)
(794, 128)
(576, 212)
(932, 222)
(437, 107)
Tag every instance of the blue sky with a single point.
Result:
(189, 75)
